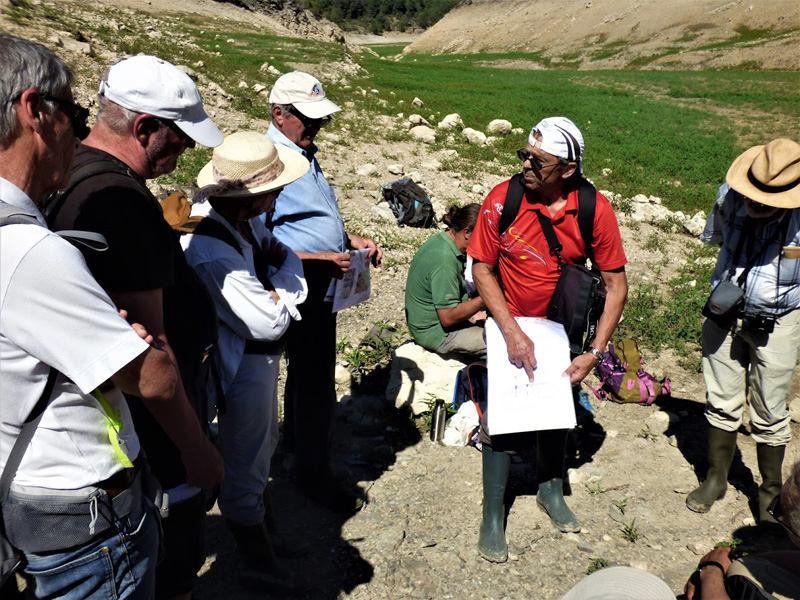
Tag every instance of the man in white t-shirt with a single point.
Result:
(81, 491)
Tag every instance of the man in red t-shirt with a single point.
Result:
(552, 174)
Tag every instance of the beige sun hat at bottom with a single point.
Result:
(620, 583)
(247, 163)
(769, 174)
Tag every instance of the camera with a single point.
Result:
(758, 323)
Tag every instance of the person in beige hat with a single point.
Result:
(753, 345)
(257, 284)
(307, 218)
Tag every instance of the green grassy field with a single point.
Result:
(667, 133)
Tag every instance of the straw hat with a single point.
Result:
(769, 174)
(620, 583)
(247, 163)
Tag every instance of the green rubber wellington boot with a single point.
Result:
(550, 448)
(721, 446)
(492, 541)
(770, 462)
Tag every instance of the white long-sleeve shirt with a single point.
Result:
(246, 310)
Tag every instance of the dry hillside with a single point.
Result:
(609, 34)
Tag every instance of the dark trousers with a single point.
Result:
(310, 398)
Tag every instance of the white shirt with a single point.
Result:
(53, 313)
(245, 309)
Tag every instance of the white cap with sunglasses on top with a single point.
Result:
(561, 138)
(150, 85)
(305, 93)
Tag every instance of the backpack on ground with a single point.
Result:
(472, 385)
(623, 378)
(410, 204)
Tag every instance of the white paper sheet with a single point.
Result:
(355, 286)
(516, 404)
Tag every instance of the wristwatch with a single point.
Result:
(710, 563)
(595, 352)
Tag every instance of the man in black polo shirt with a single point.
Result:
(149, 113)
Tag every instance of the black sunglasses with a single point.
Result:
(537, 164)
(188, 141)
(776, 511)
(307, 121)
(78, 115)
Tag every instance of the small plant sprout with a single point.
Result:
(621, 505)
(594, 489)
(596, 564)
(646, 434)
(630, 532)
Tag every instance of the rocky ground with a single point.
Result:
(630, 466)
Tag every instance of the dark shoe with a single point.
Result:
(262, 571)
(550, 499)
(721, 446)
(333, 496)
(770, 462)
(282, 546)
(492, 539)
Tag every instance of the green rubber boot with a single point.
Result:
(721, 446)
(492, 541)
(550, 448)
(770, 462)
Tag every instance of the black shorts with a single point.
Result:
(184, 548)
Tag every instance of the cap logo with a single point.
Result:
(316, 91)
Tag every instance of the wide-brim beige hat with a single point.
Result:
(769, 174)
(247, 163)
(620, 583)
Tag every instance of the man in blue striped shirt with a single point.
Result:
(756, 220)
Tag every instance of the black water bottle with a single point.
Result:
(438, 421)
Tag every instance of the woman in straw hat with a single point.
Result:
(755, 344)
(256, 283)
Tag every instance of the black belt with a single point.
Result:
(264, 347)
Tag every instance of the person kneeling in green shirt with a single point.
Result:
(440, 313)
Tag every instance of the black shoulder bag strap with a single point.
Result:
(214, 229)
(55, 202)
(514, 195)
(11, 215)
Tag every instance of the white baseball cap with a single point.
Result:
(620, 583)
(151, 85)
(304, 92)
(561, 138)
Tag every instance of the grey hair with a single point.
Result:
(25, 64)
(117, 118)
(285, 108)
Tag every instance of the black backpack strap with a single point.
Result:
(550, 236)
(514, 195)
(11, 215)
(587, 205)
(25, 436)
(54, 202)
(213, 228)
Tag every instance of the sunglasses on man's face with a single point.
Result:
(537, 164)
(78, 115)
(308, 122)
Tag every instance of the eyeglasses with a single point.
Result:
(776, 511)
(188, 142)
(77, 114)
(308, 122)
(537, 164)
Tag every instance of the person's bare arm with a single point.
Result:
(460, 312)
(330, 264)
(709, 584)
(175, 415)
(520, 346)
(616, 295)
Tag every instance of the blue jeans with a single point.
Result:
(119, 565)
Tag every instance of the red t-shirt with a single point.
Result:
(528, 272)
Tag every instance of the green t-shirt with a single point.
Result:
(435, 280)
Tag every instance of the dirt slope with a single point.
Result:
(608, 34)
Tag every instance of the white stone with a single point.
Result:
(366, 170)
(342, 375)
(606, 172)
(395, 169)
(433, 164)
(451, 121)
(242, 85)
(477, 189)
(417, 375)
(258, 88)
(499, 127)
(517, 131)
(384, 213)
(641, 199)
(418, 120)
(696, 224)
(474, 137)
(423, 133)
(417, 102)
(658, 422)
(449, 153)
